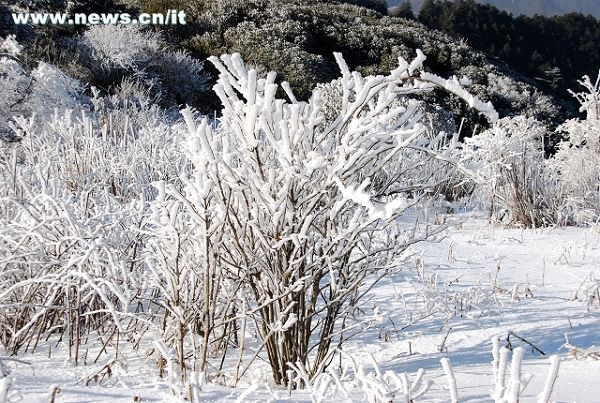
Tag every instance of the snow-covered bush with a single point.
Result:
(122, 46)
(576, 165)
(510, 159)
(194, 295)
(522, 186)
(72, 195)
(61, 256)
(129, 109)
(71, 204)
(52, 91)
(527, 100)
(13, 83)
(379, 386)
(118, 51)
(299, 214)
(373, 386)
(41, 91)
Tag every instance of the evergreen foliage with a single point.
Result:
(537, 46)
(404, 10)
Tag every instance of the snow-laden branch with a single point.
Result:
(454, 86)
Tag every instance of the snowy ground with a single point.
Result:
(453, 296)
(552, 263)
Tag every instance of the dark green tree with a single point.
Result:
(427, 15)
(404, 10)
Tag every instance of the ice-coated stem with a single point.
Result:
(515, 375)
(451, 379)
(550, 380)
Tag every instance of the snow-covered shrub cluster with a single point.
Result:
(521, 185)
(118, 51)
(576, 165)
(221, 248)
(528, 101)
(72, 192)
(118, 223)
(41, 91)
(510, 159)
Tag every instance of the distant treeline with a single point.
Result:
(556, 50)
